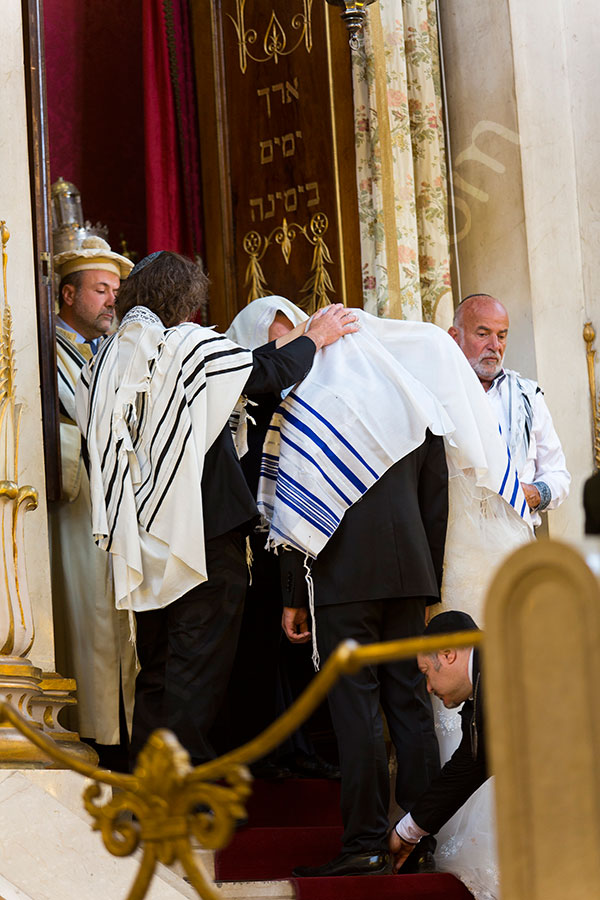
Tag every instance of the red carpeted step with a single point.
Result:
(382, 887)
(294, 802)
(265, 854)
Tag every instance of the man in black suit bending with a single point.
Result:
(455, 677)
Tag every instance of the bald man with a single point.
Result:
(481, 330)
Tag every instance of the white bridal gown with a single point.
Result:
(467, 844)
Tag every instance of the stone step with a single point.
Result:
(47, 844)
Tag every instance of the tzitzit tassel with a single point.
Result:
(132, 625)
(316, 659)
(249, 558)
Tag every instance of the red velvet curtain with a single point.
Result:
(173, 192)
(95, 113)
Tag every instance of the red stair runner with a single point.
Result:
(265, 854)
(297, 822)
(294, 802)
(382, 887)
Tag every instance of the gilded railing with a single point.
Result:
(166, 806)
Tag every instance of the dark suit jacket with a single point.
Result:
(591, 504)
(465, 771)
(389, 544)
(227, 500)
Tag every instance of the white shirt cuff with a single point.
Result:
(409, 831)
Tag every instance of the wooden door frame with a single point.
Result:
(39, 171)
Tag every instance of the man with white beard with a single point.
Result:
(481, 330)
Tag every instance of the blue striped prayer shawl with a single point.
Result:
(366, 404)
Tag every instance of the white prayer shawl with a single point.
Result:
(71, 363)
(95, 645)
(150, 405)
(366, 403)
(519, 413)
(250, 328)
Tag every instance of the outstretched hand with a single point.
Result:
(330, 324)
(295, 624)
(399, 849)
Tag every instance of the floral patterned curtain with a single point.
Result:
(401, 163)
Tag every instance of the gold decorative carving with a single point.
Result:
(165, 803)
(317, 287)
(56, 694)
(275, 39)
(16, 619)
(589, 336)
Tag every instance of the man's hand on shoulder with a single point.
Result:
(399, 849)
(295, 624)
(332, 323)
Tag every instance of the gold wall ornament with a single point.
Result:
(16, 618)
(354, 15)
(166, 804)
(314, 293)
(21, 683)
(589, 336)
(275, 43)
(318, 286)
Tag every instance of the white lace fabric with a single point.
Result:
(467, 845)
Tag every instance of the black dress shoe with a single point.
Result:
(422, 860)
(267, 770)
(377, 863)
(203, 809)
(304, 766)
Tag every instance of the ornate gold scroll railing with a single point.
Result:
(166, 804)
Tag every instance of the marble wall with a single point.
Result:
(521, 81)
(15, 208)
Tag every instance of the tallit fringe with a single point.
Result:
(316, 659)
(249, 558)
(132, 626)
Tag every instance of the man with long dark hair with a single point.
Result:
(169, 499)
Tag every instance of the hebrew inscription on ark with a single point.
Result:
(281, 147)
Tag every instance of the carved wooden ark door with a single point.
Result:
(277, 145)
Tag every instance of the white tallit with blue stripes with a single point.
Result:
(150, 404)
(366, 403)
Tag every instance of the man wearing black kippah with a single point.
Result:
(455, 677)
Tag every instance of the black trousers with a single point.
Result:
(250, 704)
(354, 704)
(186, 652)
(266, 665)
